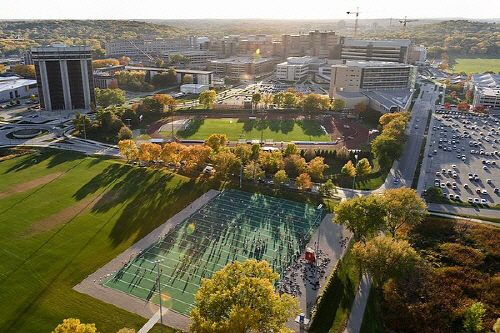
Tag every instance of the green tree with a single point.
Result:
(294, 165)
(225, 163)
(403, 206)
(207, 98)
(316, 167)
(474, 318)
(386, 149)
(315, 102)
(434, 193)
(244, 152)
(253, 171)
(107, 97)
(309, 154)
(386, 258)
(240, 298)
(364, 216)
(278, 99)
(216, 141)
(348, 169)
(289, 100)
(255, 152)
(73, 325)
(363, 167)
(291, 149)
(338, 104)
(125, 133)
(256, 99)
(271, 161)
(267, 99)
(328, 188)
(280, 178)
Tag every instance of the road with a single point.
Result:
(415, 134)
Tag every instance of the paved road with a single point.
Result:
(420, 112)
(473, 211)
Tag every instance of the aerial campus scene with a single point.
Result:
(265, 167)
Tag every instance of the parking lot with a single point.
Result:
(463, 157)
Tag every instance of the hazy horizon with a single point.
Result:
(257, 9)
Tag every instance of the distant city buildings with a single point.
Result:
(195, 59)
(325, 44)
(486, 90)
(14, 87)
(154, 47)
(64, 76)
(246, 68)
(297, 68)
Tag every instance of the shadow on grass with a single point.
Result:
(193, 127)
(311, 127)
(54, 158)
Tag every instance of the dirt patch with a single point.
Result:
(355, 134)
(30, 184)
(69, 213)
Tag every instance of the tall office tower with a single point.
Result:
(64, 76)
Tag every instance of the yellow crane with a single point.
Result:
(357, 12)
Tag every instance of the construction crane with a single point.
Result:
(404, 22)
(356, 21)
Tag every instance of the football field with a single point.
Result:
(278, 130)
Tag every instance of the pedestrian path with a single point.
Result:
(359, 305)
(152, 321)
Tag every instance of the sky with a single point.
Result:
(235, 9)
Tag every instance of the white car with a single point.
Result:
(470, 200)
(476, 200)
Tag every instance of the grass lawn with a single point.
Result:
(371, 182)
(371, 318)
(474, 65)
(335, 306)
(278, 130)
(62, 216)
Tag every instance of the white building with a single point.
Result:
(194, 88)
(486, 90)
(296, 68)
(13, 87)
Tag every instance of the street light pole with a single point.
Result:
(157, 262)
(354, 178)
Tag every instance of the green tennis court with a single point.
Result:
(233, 226)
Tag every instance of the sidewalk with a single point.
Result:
(358, 306)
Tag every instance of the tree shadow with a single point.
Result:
(287, 125)
(192, 128)
(310, 127)
(248, 124)
(54, 158)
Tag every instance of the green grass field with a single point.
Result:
(474, 65)
(234, 226)
(278, 130)
(63, 216)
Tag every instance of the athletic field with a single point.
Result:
(277, 130)
(475, 65)
(233, 226)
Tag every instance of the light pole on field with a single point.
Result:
(157, 263)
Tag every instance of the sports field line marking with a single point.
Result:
(141, 287)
